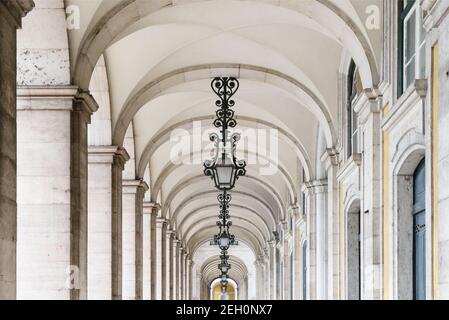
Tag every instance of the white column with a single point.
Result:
(317, 238)
(174, 275)
(272, 245)
(179, 273)
(188, 278)
(160, 278)
(100, 231)
(371, 220)
(132, 219)
(154, 269)
(169, 263)
(146, 248)
(11, 14)
(286, 257)
(183, 271)
(330, 160)
(52, 187)
(321, 242)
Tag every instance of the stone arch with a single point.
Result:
(152, 90)
(213, 192)
(192, 213)
(186, 183)
(103, 33)
(168, 169)
(163, 136)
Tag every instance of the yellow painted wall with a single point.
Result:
(217, 292)
(435, 105)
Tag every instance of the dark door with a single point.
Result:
(419, 233)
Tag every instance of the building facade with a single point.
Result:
(105, 110)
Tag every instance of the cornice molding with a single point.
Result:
(414, 94)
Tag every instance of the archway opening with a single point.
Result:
(231, 290)
(410, 228)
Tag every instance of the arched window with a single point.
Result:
(354, 90)
(412, 48)
(419, 232)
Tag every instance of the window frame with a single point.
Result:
(404, 15)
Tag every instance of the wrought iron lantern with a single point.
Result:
(224, 168)
(224, 267)
(224, 239)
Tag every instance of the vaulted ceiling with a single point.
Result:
(160, 56)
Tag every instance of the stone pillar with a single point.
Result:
(371, 220)
(11, 13)
(190, 280)
(267, 277)
(161, 229)
(330, 160)
(183, 270)
(272, 245)
(155, 271)
(100, 229)
(179, 273)
(52, 182)
(258, 275)
(132, 241)
(186, 271)
(146, 251)
(170, 261)
(174, 277)
(316, 234)
(286, 257)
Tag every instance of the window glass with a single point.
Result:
(409, 58)
(412, 48)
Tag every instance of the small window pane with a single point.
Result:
(410, 73)
(410, 27)
(422, 62)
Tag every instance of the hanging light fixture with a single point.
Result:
(224, 168)
(224, 239)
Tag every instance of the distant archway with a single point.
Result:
(231, 290)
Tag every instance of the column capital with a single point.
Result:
(161, 222)
(294, 209)
(272, 244)
(132, 186)
(121, 157)
(330, 158)
(151, 207)
(17, 10)
(89, 105)
(102, 154)
(55, 98)
(316, 186)
(170, 233)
